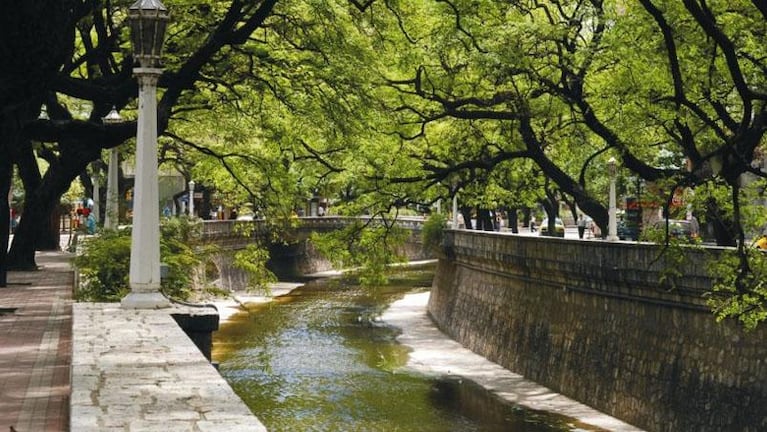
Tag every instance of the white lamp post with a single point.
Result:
(612, 231)
(191, 198)
(455, 211)
(148, 19)
(96, 180)
(110, 216)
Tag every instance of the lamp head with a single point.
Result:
(148, 20)
(112, 118)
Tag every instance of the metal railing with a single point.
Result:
(226, 228)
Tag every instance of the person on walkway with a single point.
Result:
(694, 226)
(581, 226)
(90, 224)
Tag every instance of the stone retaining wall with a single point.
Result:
(591, 320)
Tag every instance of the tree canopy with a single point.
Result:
(387, 103)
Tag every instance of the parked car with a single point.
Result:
(678, 228)
(559, 228)
(627, 231)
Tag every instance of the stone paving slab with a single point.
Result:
(136, 370)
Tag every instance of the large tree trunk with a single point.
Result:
(513, 220)
(39, 37)
(551, 206)
(724, 232)
(6, 172)
(484, 220)
(26, 161)
(33, 228)
(41, 203)
(466, 213)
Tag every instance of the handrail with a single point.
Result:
(219, 228)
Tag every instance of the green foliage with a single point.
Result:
(178, 240)
(434, 231)
(737, 294)
(365, 249)
(253, 261)
(408, 102)
(103, 267)
(105, 262)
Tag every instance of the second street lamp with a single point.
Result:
(111, 213)
(612, 228)
(191, 199)
(148, 19)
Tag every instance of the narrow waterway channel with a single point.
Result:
(319, 359)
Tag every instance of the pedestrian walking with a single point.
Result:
(581, 226)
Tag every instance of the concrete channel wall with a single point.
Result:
(593, 321)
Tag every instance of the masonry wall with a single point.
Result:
(592, 320)
(294, 255)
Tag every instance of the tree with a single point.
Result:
(388, 104)
(586, 80)
(256, 59)
(99, 73)
(41, 35)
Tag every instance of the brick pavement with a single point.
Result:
(35, 346)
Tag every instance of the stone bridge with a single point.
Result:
(292, 253)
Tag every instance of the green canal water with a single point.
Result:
(319, 359)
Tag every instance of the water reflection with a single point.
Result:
(320, 360)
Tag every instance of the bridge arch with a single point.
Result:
(293, 255)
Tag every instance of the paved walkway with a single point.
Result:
(136, 371)
(35, 346)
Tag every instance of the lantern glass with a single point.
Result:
(611, 166)
(113, 117)
(148, 20)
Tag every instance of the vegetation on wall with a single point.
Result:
(365, 248)
(433, 232)
(103, 263)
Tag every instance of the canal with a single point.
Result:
(320, 359)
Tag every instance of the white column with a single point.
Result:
(96, 196)
(612, 227)
(144, 277)
(111, 215)
(455, 211)
(191, 198)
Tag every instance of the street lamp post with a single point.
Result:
(191, 198)
(612, 231)
(455, 211)
(96, 181)
(148, 19)
(110, 216)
